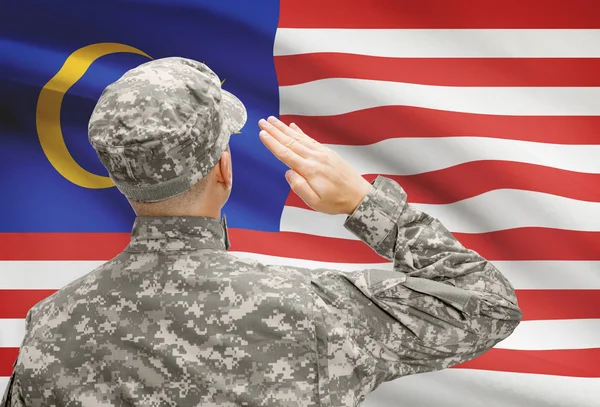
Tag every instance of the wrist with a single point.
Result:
(361, 193)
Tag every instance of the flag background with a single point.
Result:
(487, 113)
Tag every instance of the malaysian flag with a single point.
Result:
(487, 113)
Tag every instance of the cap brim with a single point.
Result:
(233, 111)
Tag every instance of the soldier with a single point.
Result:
(174, 320)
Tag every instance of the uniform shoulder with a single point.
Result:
(303, 269)
(260, 263)
(82, 286)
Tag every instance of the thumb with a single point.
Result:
(301, 188)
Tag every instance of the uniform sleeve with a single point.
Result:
(442, 304)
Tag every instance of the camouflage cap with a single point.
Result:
(163, 126)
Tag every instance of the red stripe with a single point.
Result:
(513, 244)
(439, 14)
(61, 246)
(381, 123)
(475, 178)
(559, 304)
(16, 303)
(7, 358)
(296, 69)
(571, 362)
(535, 304)
(534, 243)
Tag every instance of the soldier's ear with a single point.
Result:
(224, 171)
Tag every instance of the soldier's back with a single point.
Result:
(181, 327)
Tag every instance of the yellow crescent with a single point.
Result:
(48, 112)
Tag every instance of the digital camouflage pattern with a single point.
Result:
(163, 126)
(175, 320)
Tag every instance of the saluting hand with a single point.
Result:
(318, 175)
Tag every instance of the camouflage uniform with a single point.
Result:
(175, 320)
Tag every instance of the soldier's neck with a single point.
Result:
(209, 210)
(203, 213)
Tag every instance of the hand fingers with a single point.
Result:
(298, 129)
(290, 132)
(301, 187)
(283, 153)
(292, 143)
(314, 143)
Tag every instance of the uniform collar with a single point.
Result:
(178, 233)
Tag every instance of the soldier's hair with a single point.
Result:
(172, 206)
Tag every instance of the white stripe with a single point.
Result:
(441, 43)
(551, 275)
(492, 211)
(529, 335)
(554, 334)
(479, 388)
(508, 209)
(42, 275)
(524, 275)
(408, 156)
(3, 384)
(12, 331)
(336, 96)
